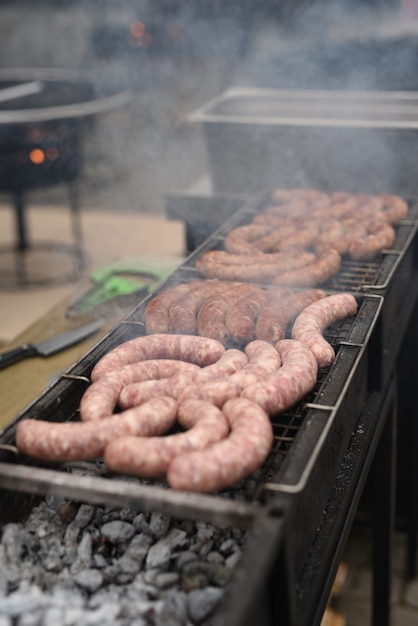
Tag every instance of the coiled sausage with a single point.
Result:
(150, 456)
(222, 464)
(100, 399)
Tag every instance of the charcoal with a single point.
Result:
(89, 579)
(165, 580)
(138, 548)
(116, 532)
(215, 557)
(21, 601)
(202, 603)
(232, 560)
(84, 515)
(83, 565)
(159, 524)
(185, 557)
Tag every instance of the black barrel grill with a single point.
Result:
(47, 116)
(299, 506)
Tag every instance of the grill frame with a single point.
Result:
(289, 495)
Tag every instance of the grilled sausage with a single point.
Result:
(380, 236)
(137, 393)
(151, 456)
(155, 315)
(279, 311)
(310, 324)
(241, 316)
(211, 318)
(82, 441)
(393, 208)
(183, 312)
(263, 268)
(199, 350)
(100, 399)
(263, 359)
(240, 240)
(326, 264)
(288, 385)
(222, 464)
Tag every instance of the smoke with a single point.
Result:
(188, 54)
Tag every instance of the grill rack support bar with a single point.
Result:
(97, 490)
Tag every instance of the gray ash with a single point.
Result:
(78, 564)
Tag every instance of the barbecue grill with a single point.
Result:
(45, 117)
(303, 500)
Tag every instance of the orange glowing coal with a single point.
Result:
(137, 29)
(37, 156)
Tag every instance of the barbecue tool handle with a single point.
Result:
(15, 355)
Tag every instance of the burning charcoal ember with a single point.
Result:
(202, 602)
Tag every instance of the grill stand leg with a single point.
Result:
(74, 201)
(383, 519)
(22, 244)
(22, 241)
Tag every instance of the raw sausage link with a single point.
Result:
(100, 399)
(380, 236)
(155, 315)
(137, 393)
(256, 268)
(284, 388)
(393, 208)
(211, 318)
(83, 441)
(263, 359)
(309, 326)
(216, 392)
(240, 240)
(150, 456)
(183, 312)
(278, 312)
(224, 463)
(326, 265)
(199, 350)
(240, 319)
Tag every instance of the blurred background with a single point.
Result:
(175, 55)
